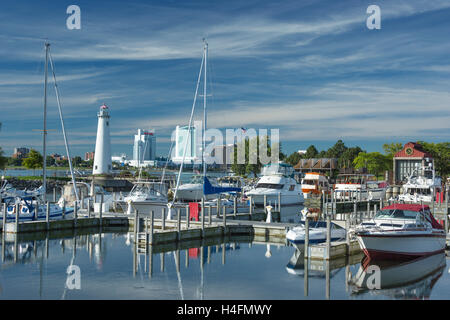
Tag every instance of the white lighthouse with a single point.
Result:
(102, 156)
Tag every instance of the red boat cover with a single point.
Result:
(416, 208)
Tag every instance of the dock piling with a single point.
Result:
(152, 227)
(64, 209)
(163, 217)
(75, 214)
(17, 216)
(178, 223)
(306, 237)
(47, 215)
(187, 217)
(4, 218)
(328, 236)
(209, 215)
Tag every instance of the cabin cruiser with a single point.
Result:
(277, 182)
(317, 233)
(401, 231)
(193, 191)
(146, 196)
(421, 186)
(313, 183)
(413, 279)
(359, 187)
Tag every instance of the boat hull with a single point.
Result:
(401, 246)
(272, 199)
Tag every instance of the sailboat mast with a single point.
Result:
(44, 151)
(205, 53)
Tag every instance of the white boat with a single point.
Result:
(277, 182)
(359, 187)
(27, 210)
(193, 191)
(412, 279)
(146, 196)
(421, 186)
(401, 231)
(313, 183)
(317, 233)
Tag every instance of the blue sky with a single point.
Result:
(310, 68)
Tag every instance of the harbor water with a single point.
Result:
(111, 268)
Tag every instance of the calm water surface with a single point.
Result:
(110, 270)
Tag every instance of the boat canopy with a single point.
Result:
(208, 188)
(278, 168)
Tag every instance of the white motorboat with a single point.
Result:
(317, 233)
(146, 196)
(421, 185)
(359, 187)
(412, 279)
(277, 182)
(313, 183)
(401, 231)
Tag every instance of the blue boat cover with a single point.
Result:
(208, 188)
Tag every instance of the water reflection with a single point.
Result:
(412, 279)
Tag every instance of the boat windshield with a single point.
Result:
(269, 186)
(396, 214)
(309, 182)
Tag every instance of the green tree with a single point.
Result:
(374, 162)
(33, 161)
(3, 160)
(347, 157)
(77, 161)
(293, 158)
(441, 156)
(337, 150)
(311, 152)
(50, 161)
(390, 149)
(247, 167)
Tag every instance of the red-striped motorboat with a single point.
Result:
(401, 231)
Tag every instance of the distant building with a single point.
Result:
(193, 150)
(58, 157)
(144, 147)
(20, 153)
(122, 159)
(406, 160)
(317, 165)
(300, 152)
(89, 156)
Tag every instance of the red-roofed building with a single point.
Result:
(406, 160)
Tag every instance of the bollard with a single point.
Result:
(178, 223)
(152, 225)
(328, 236)
(4, 219)
(375, 209)
(17, 217)
(235, 205)
(306, 237)
(250, 206)
(100, 214)
(36, 211)
(202, 213)
(209, 215)
(163, 217)
(187, 217)
(47, 215)
(64, 209)
(368, 208)
(54, 194)
(279, 202)
(75, 214)
(224, 216)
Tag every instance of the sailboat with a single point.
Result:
(27, 204)
(204, 188)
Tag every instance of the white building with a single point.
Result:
(102, 157)
(144, 147)
(193, 150)
(122, 159)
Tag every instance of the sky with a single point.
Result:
(311, 69)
